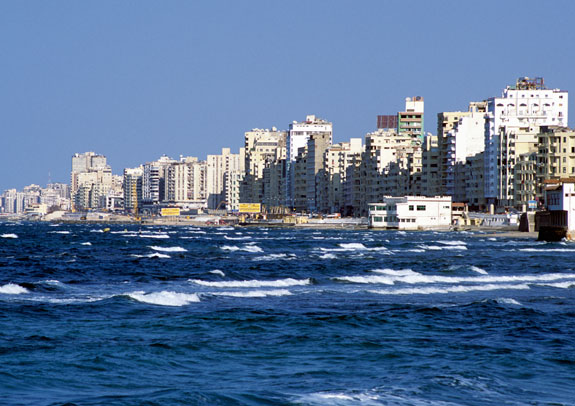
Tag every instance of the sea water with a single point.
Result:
(256, 316)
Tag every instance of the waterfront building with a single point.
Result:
(525, 180)
(521, 110)
(262, 148)
(317, 145)
(411, 213)
(430, 179)
(90, 181)
(133, 189)
(154, 182)
(389, 165)
(219, 169)
(555, 155)
(460, 135)
(297, 137)
(407, 122)
(333, 176)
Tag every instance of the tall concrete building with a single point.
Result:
(90, 181)
(262, 149)
(333, 178)
(410, 121)
(555, 155)
(219, 169)
(521, 109)
(185, 183)
(154, 182)
(133, 189)
(297, 137)
(460, 135)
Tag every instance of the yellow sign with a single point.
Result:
(171, 211)
(250, 207)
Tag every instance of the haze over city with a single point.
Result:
(137, 80)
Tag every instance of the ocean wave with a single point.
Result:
(11, 235)
(328, 256)
(158, 236)
(450, 289)
(165, 298)
(280, 283)
(442, 247)
(86, 243)
(478, 270)
(153, 255)
(274, 257)
(237, 238)
(547, 249)
(13, 289)
(353, 246)
(256, 293)
(58, 232)
(168, 249)
(457, 243)
(508, 301)
(218, 272)
(561, 285)
(225, 228)
(247, 248)
(415, 278)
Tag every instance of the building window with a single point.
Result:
(410, 207)
(377, 219)
(421, 208)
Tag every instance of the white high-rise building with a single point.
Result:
(298, 135)
(521, 109)
(219, 168)
(90, 181)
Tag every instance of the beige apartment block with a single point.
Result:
(555, 156)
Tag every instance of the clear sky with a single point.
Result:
(137, 79)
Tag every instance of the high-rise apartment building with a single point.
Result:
(90, 181)
(297, 137)
(218, 182)
(521, 109)
(262, 149)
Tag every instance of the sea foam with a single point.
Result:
(165, 298)
(168, 249)
(9, 236)
(247, 248)
(428, 290)
(12, 289)
(253, 283)
(256, 293)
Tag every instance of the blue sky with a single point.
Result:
(136, 79)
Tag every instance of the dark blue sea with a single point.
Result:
(255, 316)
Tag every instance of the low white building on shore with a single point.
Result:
(411, 213)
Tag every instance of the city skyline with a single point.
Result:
(134, 83)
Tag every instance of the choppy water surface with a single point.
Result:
(223, 316)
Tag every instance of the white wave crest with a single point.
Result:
(168, 249)
(12, 289)
(560, 285)
(165, 298)
(415, 277)
(86, 243)
(256, 293)
(547, 249)
(505, 300)
(225, 228)
(11, 235)
(274, 257)
(58, 232)
(478, 270)
(158, 236)
(280, 283)
(328, 256)
(218, 272)
(153, 255)
(450, 289)
(247, 248)
(237, 238)
(457, 243)
(442, 247)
